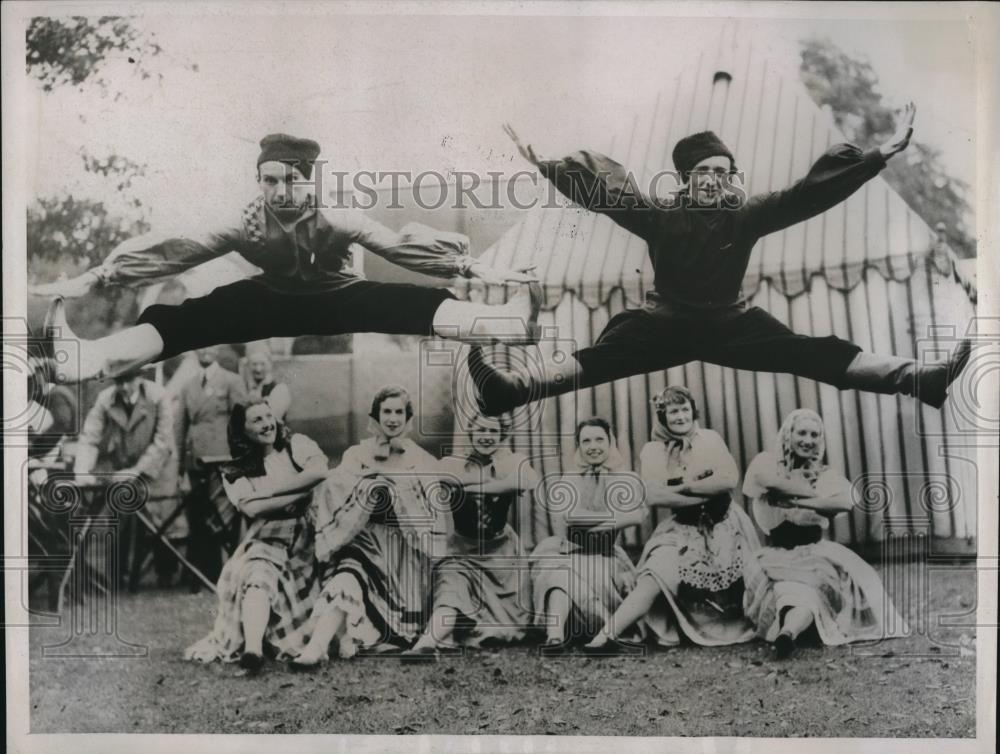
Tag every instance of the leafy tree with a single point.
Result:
(74, 51)
(70, 232)
(851, 89)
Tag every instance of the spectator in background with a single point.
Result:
(128, 434)
(258, 375)
(205, 404)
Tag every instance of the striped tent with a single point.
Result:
(869, 270)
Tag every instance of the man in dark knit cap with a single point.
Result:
(306, 286)
(700, 245)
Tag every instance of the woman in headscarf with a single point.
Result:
(267, 588)
(581, 574)
(805, 579)
(375, 532)
(481, 589)
(693, 568)
(261, 384)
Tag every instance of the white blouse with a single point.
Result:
(767, 516)
(278, 468)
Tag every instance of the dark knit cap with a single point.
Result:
(290, 150)
(694, 148)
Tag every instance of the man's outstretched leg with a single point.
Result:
(123, 351)
(753, 341)
(758, 342)
(248, 310)
(929, 383)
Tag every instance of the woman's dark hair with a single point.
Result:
(595, 421)
(390, 391)
(674, 395)
(248, 457)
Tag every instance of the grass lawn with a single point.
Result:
(920, 686)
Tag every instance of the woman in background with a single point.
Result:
(693, 568)
(258, 374)
(375, 536)
(581, 574)
(805, 579)
(481, 589)
(267, 588)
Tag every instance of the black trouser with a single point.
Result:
(638, 341)
(250, 310)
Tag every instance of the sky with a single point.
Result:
(432, 92)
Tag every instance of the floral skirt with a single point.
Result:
(286, 571)
(381, 581)
(595, 584)
(701, 572)
(843, 593)
(487, 582)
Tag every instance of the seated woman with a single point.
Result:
(375, 536)
(267, 588)
(699, 556)
(481, 589)
(805, 579)
(581, 574)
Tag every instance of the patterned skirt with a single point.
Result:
(381, 581)
(487, 582)
(701, 573)
(276, 556)
(595, 584)
(843, 593)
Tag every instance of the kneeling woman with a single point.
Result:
(267, 588)
(581, 574)
(805, 579)
(700, 556)
(374, 538)
(481, 589)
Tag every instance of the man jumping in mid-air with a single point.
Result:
(700, 246)
(306, 287)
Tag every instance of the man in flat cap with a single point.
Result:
(699, 246)
(306, 286)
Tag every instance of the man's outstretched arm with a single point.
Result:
(144, 259)
(422, 249)
(841, 171)
(596, 183)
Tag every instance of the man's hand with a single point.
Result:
(526, 150)
(72, 288)
(492, 276)
(901, 139)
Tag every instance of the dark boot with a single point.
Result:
(496, 391)
(891, 374)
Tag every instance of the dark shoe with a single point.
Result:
(252, 663)
(934, 380)
(614, 648)
(419, 655)
(496, 391)
(784, 645)
(554, 647)
(297, 666)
